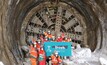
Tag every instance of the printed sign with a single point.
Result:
(63, 48)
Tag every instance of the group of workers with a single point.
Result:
(37, 53)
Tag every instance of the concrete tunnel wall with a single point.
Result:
(12, 13)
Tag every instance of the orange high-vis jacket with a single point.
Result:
(67, 40)
(59, 39)
(49, 36)
(46, 34)
(55, 60)
(33, 53)
(42, 52)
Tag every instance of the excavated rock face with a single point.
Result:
(14, 12)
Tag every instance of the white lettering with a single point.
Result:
(59, 47)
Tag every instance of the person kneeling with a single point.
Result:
(56, 60)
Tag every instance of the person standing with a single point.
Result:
(59, 39)
(55, 59)
(33, 55)
(42, 57)
(48, 35)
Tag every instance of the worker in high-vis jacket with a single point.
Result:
(33, 55)
(59, 39)
(55, 59)
(48, 35)
(42, 57)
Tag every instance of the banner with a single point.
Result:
(63, 48)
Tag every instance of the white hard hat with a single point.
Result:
(46, 12)
(34, 42)
(46, 37)
(39, 40)
(66, 38)
(59, 35)
(56, 52)
(49, 31)
(53, 37)
(35, 46)
(42, 48)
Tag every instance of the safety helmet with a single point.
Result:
(55, 52)
(46, 37)
(66, 38)
(42, 48)
(34, 42)
(49, 32)
(47, 13)
(59, 35)
(39, 40)
(35, 46)
(53, 37)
